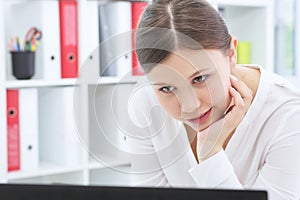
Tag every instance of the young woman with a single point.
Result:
(203, 120)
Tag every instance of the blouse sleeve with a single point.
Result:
(216, 172)
(146, 169)
(145, 166)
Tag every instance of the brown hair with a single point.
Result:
(170, 25)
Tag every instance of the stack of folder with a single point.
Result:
(37, 118)
(57, 54)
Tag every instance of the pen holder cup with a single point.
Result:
(23, 64)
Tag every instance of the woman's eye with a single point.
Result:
(200, 79)
(167, 89)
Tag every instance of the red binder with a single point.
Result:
(137, 8)
(13, 130)
(68, 19)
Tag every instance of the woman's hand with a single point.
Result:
(212, 139)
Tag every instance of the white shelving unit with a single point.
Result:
(96, 96)
(51, 172)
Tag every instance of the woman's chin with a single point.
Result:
(197, 127)
(202, 126)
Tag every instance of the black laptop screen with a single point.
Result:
(67, 192)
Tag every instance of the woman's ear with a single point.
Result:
(233, 53)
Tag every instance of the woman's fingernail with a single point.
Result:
(233, 77)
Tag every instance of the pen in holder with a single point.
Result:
(23, 64)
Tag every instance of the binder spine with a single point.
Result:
(49, 56)
(137, 8)
(13, 130)
(115, 22)
(68, 19)
(28, 115)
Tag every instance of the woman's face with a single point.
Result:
(193, 86)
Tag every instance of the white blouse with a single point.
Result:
(263, 153)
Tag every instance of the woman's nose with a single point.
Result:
(190, 102)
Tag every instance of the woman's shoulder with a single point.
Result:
(284, 89)
(283, 104)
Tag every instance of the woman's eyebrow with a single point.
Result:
(192, 75)
(160, 83)
(198, 72)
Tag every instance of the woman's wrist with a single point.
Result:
(204, 156)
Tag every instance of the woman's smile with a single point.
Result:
(201, 118)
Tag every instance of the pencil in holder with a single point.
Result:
(23, 64)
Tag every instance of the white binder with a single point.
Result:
(90, 50)
(45, 16)
(115, 27)
(29, 147)
(59, 140)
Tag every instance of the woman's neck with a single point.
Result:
(250, 76)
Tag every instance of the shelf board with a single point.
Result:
(40, 83)
(117, 80)
(45, 169)
(111, 162)
(48, 169)
(69, 82)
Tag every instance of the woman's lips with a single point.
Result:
(201, 118)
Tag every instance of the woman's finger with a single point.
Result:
(237, 99)
(241, 87)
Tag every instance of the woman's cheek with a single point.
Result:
(219, 93)
(170, 105)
